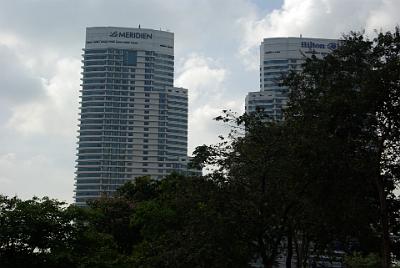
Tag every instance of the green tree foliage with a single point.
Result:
(327, 173)
(256, 167)
(351, 98)
(356, 260)
(178, 222)
(46, 233)
(189, 224)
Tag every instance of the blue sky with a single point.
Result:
(216, 51)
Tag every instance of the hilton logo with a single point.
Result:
(136, 35)
(312, 45)
(332, 46)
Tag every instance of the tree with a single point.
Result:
(359, 261)
(327, 173)
(189, 224)
(352, 96)
(254, 163)
(29, 229)
(283, 181)
(46, 233)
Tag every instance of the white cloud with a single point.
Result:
(203, 76)
(314, 18)
(28, 119)
(56, 113)
(203, 129)
(10, 40)
(18, 83)
(33, 176)
(385, 16)
(206, 80)
(38, 131)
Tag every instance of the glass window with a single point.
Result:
(130, 57)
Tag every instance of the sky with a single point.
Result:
(216, 58)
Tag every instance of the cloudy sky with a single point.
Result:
(216, 52)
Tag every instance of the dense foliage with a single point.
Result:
(178, 222)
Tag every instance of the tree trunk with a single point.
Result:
(299, 254)
(304, 250)
(267, 259)
(268, 264)
(289, 249)
(262, 251)
(386, 261)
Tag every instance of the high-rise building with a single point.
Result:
(277, 57)
(133, 122)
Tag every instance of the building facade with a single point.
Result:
(133, 122)
(277, 57)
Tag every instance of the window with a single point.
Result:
(130, 58)
(275, 61)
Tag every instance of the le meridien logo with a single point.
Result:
(136, 35)
(331, 46)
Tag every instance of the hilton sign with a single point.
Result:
(313, 45)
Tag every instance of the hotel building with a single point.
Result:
(133, 122)
(277, 57)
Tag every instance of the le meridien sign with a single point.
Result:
(136, 35)
(310, 44)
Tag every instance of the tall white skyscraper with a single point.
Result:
(133, 122)
(277, 57)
